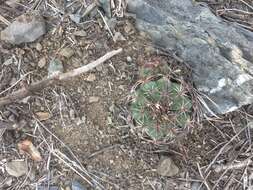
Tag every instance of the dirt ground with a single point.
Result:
(82, 128)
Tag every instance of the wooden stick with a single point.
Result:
(37, 86)
(4, 20)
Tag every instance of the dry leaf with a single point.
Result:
(42, 116)
(28, 147)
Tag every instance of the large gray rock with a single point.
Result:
(25, 28)
(219, 53)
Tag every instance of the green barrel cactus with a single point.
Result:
(159, 107)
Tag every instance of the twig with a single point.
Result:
(107, 26)
(4, 20)
(219, 168)
(102, 150)
(247, 4)
(203, 178)
(223, 148)
(59, 77)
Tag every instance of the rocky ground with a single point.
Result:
(79, 134)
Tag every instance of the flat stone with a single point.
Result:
(80, 33)
(77, 186)
(93, 99)
(118, 37)
(55, 66)
(12, 3)
(106, 6)
(91, 77)
(16, 168)
(167, 167)
(75, 18)
(38, 47)
(42, 62)
(8, 62)
(67, 52)
(25, 28)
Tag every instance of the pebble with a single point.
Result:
(16, 168)
(167, 167)
(129, 59)
(67, 52)
(43, 116)
(118, 37)
(38, 47)
(91, 77)
(106, 6)
(8, 62)
(25, 28)
(77, 186)
(8, 182)
(75, 18)
(80, 33)
(99, 68)
(197, 186)
(55, 66)
(13, 3)
(72, 114)
(93, 99)
(42, 62)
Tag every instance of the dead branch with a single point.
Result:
(232, 166)
(37, 86)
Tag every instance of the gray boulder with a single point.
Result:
(25, 28)
(219, 53)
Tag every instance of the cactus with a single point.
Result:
(160, 106)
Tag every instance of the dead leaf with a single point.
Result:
(42, 116)
(28, 147)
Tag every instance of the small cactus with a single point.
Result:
(160, 106)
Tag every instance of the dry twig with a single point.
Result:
(59, 77)
(219, 168)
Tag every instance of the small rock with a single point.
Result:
(118, 37)
(167, 168)
(77, 186)
(42, 62)
(8, 182)
(99, 68)
(93, 99)
(42, 116)
(91, 78)
(25, 28)
(129, 28)
(72, 114)
(38, 47)
(8, 62)
(16, 168)
(197, 186)
(12, 3)
(75, 18)
(106, 6)
(80, 33)
(67, 52)
(250, 124)
(129, 59)
(55, 66)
